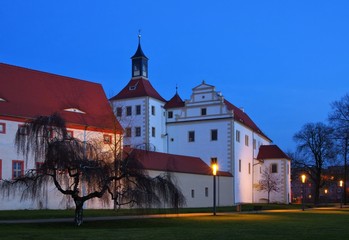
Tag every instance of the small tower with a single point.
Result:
(139, 62)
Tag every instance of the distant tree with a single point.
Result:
(83, 171)
(315, 148)
(268, 183)
(339, 120)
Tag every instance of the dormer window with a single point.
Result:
(74, 110)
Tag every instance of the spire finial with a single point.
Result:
(176, 89)
(139, 36)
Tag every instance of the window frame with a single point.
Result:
(170, 114)
(153, 132)
(203, 111)
(247, 140)
(191, 136)
(3, 128)
(138, 132)
(237, 135)
(274, 168)
(206, 191)
(153, 110)
(192, 193)
(107, 139)
(240, 165)
(128, 110)
(128, 132)
(119, 111)
(138, 110)
(23, 129)
(21, 170)
(214, 134)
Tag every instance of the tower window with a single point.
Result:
(138, 109)
(254, 144)
(153, 110)
(274, 168)
(203, 111)
(237, 136)
(128, 111)
(246, 140)
(153, 131)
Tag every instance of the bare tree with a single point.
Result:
(339, 120)
(268, 183)
(70, 165)
(315, 145)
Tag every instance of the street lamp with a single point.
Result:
(303, 177)
(214, 166)
(341, 192)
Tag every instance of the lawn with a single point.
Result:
(311, 224)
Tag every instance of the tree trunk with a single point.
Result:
(78, 212)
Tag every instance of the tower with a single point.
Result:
(139, 62)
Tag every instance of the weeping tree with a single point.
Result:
(269, 182)
(83, 170)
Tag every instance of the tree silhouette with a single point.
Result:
(268, 183)
(71, 164)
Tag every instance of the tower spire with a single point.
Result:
(139, 61)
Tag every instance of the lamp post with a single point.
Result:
(214, 173)
(341, 192)
(303, 189)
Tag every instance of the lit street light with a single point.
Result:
(341, 192)
(303, 190)
(214, 166)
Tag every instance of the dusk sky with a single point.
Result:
(284, 62)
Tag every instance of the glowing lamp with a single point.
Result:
(303, 178)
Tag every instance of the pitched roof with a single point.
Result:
(172, 163)
(271, 152)
(138, 87)
(29, 93)
(243, 118)
(139, 53)
(175, 102)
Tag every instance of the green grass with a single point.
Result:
(310, 224)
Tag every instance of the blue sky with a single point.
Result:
(284, 62)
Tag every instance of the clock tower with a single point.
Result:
(139, 62)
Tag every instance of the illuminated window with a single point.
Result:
(214, 134)
(3, 128)
(237, 136)
(17, 168)
(191, 136)
(107, 139)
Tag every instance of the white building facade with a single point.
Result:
(205, 126)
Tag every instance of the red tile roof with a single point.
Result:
(175, 102)
(243, 118)
(138, 87)
(29, 93)
(271, 152)
(172, 163)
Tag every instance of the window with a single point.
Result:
(107, 139)
(274, 168)
(237, 135)
(203, 111)
(246, 140)
(128, 132)
(249, 168)
(128, 111)
(138, 109)
(3, 128)
(153, 131)
(192, 193)
(0, 169)
(23, 129)
(239, 165)
(38, 166)
(191, 136)
(254, 144)
(206, 191)
(138, 131)
(17, 168)
(119, 112)
(153, 110)
(214, 134)
(170, 114)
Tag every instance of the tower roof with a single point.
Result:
(138, 87)
(175, 102)
(139, 52)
